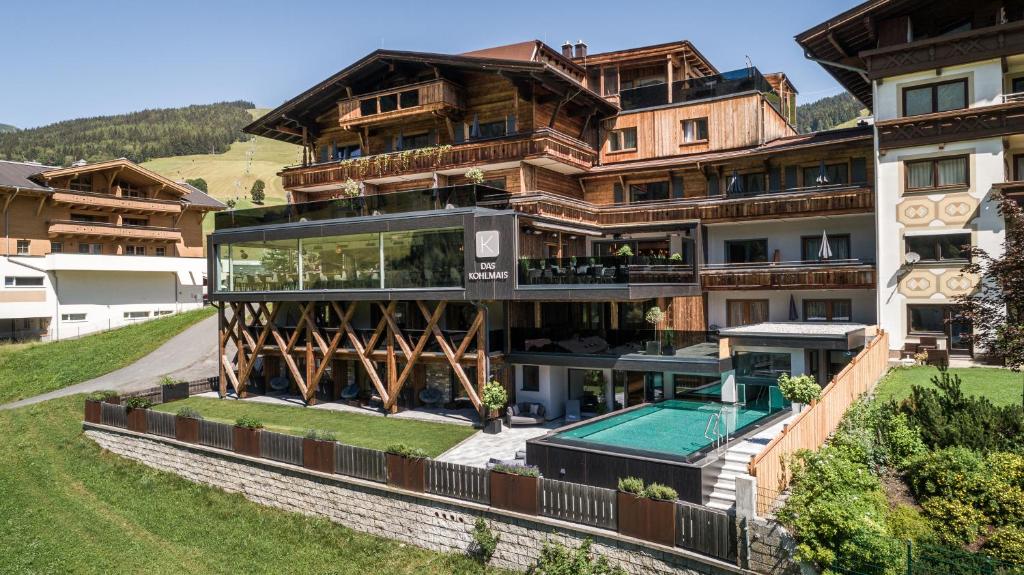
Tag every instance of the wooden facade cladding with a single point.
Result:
(543, 143)
(846, 200)
(67, 228)
(437, 96)
(109, 202)
(943, 51)
(825, 276)
(953, 126)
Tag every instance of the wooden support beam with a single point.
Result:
(460, 373)
(7, 200)
(417, 351)
(222, 377)
(311, 383)
(357, 345)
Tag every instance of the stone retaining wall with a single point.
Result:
(423, 520)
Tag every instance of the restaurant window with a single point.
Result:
(838, 245)
(531, 378)
(827, 310)
(499, 183)
(341, 262)
(937, 173)
(832, 175)
(648, 191)
(23, 247)
(745, 311)
(746, 251)
(695, 130)
(941, 97)
(81, 184)
(622, 140)
(423, 258)
(940, 247)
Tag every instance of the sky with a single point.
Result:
(74, 59)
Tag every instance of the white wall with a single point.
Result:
(553, 389)
(785, 235)
(984, 86)
(862, 300)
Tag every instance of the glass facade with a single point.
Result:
(412, 259)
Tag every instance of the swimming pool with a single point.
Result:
(673, 427)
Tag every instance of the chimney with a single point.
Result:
(581, 49)
(567, 49)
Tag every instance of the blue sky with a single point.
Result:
(72, 59)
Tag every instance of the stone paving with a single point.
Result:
(479, 448)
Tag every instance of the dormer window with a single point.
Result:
(83, 184)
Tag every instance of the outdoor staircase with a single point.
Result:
(732, 464)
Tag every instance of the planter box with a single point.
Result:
(493, 426)
(512, 492)
(137, 420)
(175, 392)
(405, 472)
(648, 519)
(92, 410)
(115, 400)
(653, 348)
(186, 429)
(247, 441)
(318, 455)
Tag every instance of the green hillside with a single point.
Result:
(841, 110)
(5, 128)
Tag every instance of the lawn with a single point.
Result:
(350, 428)
(67, 507)
(1001, 386)
(31, 369)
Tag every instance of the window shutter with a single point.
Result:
(618, 193)
(713, 188)
(510, 124)
(775, 179)
(677, 186)
(791, 172)
(859, 170)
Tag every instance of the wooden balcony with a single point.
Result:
(112, 203)
(100, 230)
(840, 274)
(376, 108)
(541, 144)
(796, 203)
(956, 125)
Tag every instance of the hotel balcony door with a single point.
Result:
(630, 387)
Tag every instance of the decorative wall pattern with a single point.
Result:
(952, 210)
(925, 283)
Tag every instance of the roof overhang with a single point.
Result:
(121, 164)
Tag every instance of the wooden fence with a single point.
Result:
(218, 435)
(160, 423)
(368, 464)
(281, 447)
(458, 481)
(812, 427)
(578, 503)
(113, 415)
(708, 531)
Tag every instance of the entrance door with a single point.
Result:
(654, 386)
(957, 332)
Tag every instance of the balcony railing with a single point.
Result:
(725, 84)
(541, 143)
(109, 230)
(604, 342)
(845, 273)
(377, 204)
(602, 271)
(387, 105)
(94, 200)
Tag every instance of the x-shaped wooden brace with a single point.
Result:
(263, 318)
(226, 334)
(287, 347)
(455, 356)
(413, 356)
(364, 352)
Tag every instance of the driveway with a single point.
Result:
(192, 354)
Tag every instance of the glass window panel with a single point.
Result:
(917, 101)
(629, 138)
(648, 192)
(923, 246)
(952, 171)
(409, 98)
(927, 318)
(950, 96)
(263, 266)
(950, 246)
(389, 102)
(816, 310)
(611, 81)
(760, 367)
(919, 175)
(531, 378)
(746, 251)
(341, 262)
(842, 310)
(423, 258)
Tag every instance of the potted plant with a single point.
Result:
(172, 389)
(186, 425)
(494, 399)
(406, 467)
(318, 451)
(515, 488)
(655, 316)
(475, 176)
(350, 188)
(93, 410)
(625, 251)
(799, 390)
(136, 407)
(246, 436)
(676, 258)
(669, 347)
(647, 513)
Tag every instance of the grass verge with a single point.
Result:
(349, 428)
(1000, 386)
(31, 369)
(67, 507)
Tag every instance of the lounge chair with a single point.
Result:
(431, 396)
(525, 414)
(350, 392)
(572, 411)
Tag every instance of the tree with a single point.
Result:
(231, 204)
(199, 184)
(257, 191)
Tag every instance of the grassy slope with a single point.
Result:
(852, 122)
(31, 369)
(67, 507)
(351, 428)
(1001, 386)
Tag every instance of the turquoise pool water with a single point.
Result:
(675, 427)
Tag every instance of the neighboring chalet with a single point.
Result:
(96, 246)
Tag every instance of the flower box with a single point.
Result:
(652, 520)
(137, 420)
(174, 391)
(318, 455)
(186, 429)
(406, 472)
(513, 492)
(246, 441)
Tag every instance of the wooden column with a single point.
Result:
(392, 369)
(482, 366)
(311, 386)
(221, 339)
(668, 77)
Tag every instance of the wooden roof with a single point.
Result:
(122, 164)
(655, 52)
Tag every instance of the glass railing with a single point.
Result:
(376, 204)
(609, 342)
(605, 270)
(724, 84)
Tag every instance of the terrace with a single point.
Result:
(810, 274)
(716, 86)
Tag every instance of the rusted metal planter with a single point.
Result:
(406, 472)
(92, 410)
(137, 420)
(519, 493)
(186, 429)
(648, 519)
(246, 441)
(318, 455)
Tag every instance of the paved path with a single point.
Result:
(192, 354)
(480, 447)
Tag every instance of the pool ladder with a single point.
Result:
(713, 430)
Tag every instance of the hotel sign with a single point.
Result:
(488, 248)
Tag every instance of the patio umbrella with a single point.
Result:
(793, 315)
(822, 174)
(474, 130)
(825, 251)
(400, 143)
(735, 187)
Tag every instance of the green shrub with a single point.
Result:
(633, 485)
(954, 473)
(955, 522)
(101, 395)
(906, 522)
(189, 413)
(624, 251)
(660, 492)
(137, 403)
(404, 450)
(319, 435)
(557, 559)
(494, 396)
(168, 380)
(485, 542)
(799, 389)
(1008, 467)
(1007, 544)
(899, 442)
(248, 422)
(524, 470)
